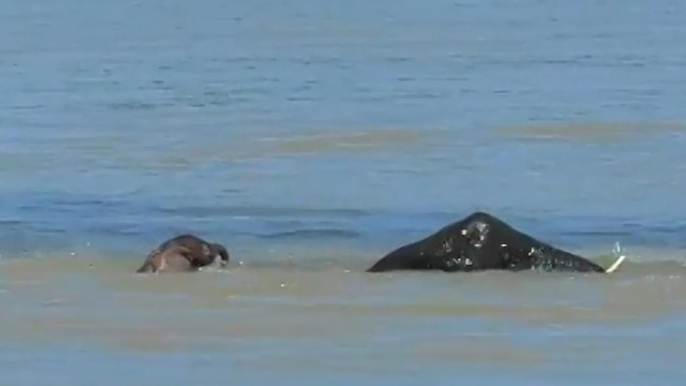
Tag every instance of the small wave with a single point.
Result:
(10, 223)
(596, 233)
(258, 211)
(118, 230)
(27, 107)
(132, 105)
(314, 234)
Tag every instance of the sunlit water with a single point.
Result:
(313, 137)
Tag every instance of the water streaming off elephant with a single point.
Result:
(313, 137)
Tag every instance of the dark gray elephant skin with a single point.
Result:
(482, 242)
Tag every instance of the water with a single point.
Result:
(313, 137)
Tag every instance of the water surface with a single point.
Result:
(313, 137)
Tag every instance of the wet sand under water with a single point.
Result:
(303, 323)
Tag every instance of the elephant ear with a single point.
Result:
(476, 233)
(197, 258)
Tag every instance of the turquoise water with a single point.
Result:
(313, 137)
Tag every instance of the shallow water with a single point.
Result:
(311, 138)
